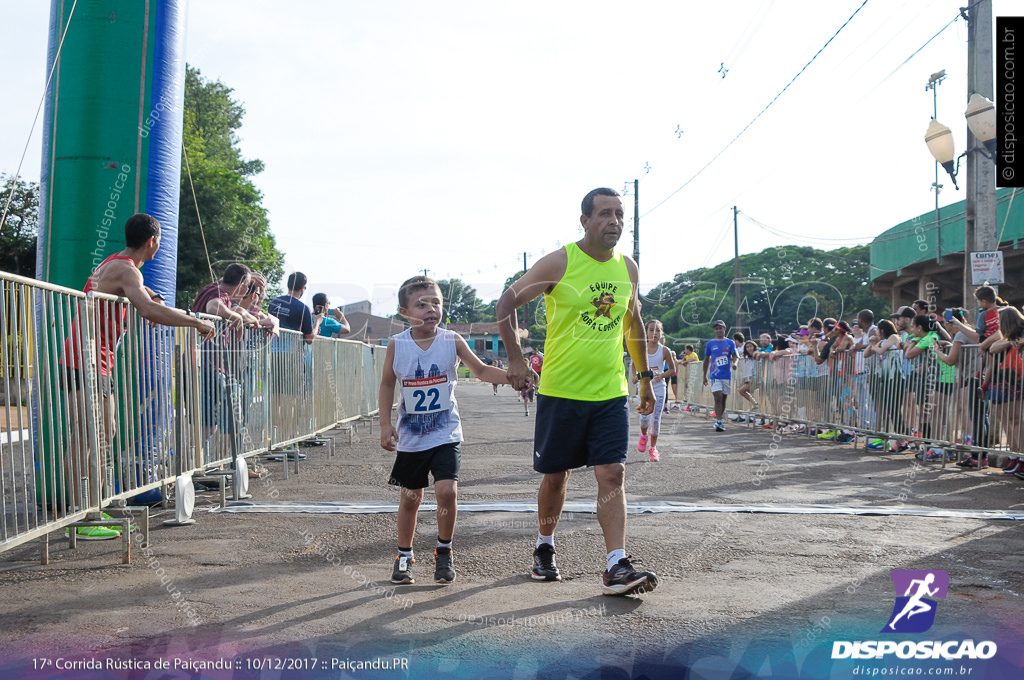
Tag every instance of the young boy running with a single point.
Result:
(719, 354)
(428, 440)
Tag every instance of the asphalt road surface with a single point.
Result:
(776, 548)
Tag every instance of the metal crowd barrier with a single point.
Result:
(102, 406)
(973, 404)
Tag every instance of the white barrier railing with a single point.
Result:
(101, 405)
(974, 404)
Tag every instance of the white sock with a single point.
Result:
(614, 557)
(542, 539)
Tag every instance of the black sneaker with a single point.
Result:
(402, 574)
(623, 579)
(544, 568)
(444, 572)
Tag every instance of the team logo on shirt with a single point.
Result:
(604, 303)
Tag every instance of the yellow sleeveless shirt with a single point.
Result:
(583, 349)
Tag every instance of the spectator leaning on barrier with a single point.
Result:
(1005, 385)
(293, 313)
(935, 380)
(1002, 378)
(333, 323)
(117, 275)
(220, 298)
(887, 383)
(221, 393)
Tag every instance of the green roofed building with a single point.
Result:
(918, 259)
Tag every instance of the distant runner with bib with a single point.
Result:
(590, 294)
(719, 356)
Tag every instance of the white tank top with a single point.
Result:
(656, 360)
(428, 415)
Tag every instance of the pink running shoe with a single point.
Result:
(653, 455)
(642, 445)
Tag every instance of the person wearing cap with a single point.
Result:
(902, 319)
(720, 356)
(333, 323)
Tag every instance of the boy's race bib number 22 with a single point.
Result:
(426, 395)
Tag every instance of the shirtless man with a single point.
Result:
(117, 275)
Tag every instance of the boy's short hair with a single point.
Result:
(296, 281)
(139, 229)
(689, 348)
(412, 285)
(320, 300)
(986, 294)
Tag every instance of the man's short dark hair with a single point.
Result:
(866, 318)
(296, 281)
(235, 273)
(412, 285)
(920, 305)
(320, 300)
(588, 201)
(986, 294)
(139, 229)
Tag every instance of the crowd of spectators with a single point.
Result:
(933, 384)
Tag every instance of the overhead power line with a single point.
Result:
(774, 99)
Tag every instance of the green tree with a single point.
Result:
(531, 316)
(235, 226)
(780, 289)
(19, 227)
(461, 304)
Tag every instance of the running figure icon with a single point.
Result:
(914, 604)
(916, 593)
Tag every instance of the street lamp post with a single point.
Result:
(980, 219)
(933, 85)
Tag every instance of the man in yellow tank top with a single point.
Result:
(590, 294)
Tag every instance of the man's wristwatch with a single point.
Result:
(646, 374)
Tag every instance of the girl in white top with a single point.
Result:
(748, 372)
(658, 357)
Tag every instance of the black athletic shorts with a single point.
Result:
(570, 433)
(412, 467)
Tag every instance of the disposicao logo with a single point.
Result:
(914, 612)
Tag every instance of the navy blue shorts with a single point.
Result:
(570, 433)
(411, 468)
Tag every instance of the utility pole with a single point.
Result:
(736, 264)
(933, 85)
(636, 221)
(980, 229)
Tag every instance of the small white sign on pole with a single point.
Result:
(987, 268)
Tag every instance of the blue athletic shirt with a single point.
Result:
(720, 353)
(293, 314)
